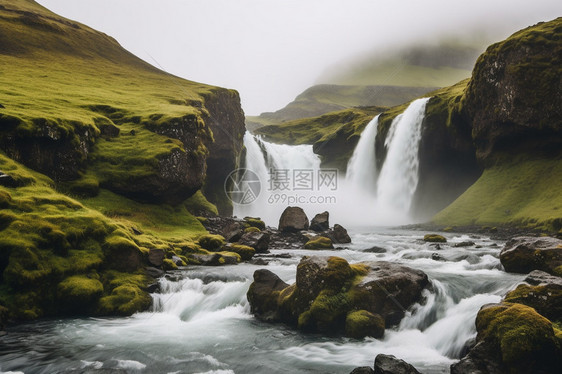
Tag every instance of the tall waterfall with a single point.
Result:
(363, 198)
(398, 178)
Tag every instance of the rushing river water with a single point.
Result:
(201, 323)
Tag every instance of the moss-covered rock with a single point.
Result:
(524, 339)
(434, 238)
(212, 242)
(246, 253)
(546, 299)
(255, 222)
(329, 289)
(319, 242)
(361, 323)
(79, 293)
(127, 294)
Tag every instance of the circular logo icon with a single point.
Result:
(242, 186)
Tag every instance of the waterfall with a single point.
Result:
(364, 197)
(288, 176)
(362, 167)
(398, 178)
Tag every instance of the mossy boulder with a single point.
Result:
(255, 222)
(319, 242)
(251, 229)
(246, 253)
(127, 294)
(546, 299)
(328, 289)
(434, 238)
(524, 338)
(79, 293)
(122, 253)
(525, 254)
(212, 242)
(361, 323)
(257, 240)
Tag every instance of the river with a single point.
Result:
(201, 321)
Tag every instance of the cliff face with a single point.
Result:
(515, 94)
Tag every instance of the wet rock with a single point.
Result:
(362, 370)
(437, 257)
(257, 240)
(537, 277)
(375, 249)
(259, 262)
(215, 259)
(327, 289)
(320, 222)
(434, 238)
(293, 219)
(263, 294)
(468, 243)
(480, 360)
(156, 256)
(388, 364)
(178, 261)
(233, 231)
(339, 235)
(319, 242)
(255, 222)
(526, 253)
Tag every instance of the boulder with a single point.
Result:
(293, 219)
(434, 238)
(320, 242)
(388, 364)
(211, 242)
(511, 338)
(257, 240)
(246, 253)
(233, 231)
(467, 243)
(328, 289)
(215, 259)
(263, 294)
(156, 256)
(339, 235)
(255, 222)
(526, 253)
(154, 272)
(545, 296)
(320, 222)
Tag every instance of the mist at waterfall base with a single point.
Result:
(201, 321)
(364, 196)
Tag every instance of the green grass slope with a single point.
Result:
(67, 244)
(524, 192)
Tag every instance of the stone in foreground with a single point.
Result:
(526, 253)
(329, 291)
(293, 219)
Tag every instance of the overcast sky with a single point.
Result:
(271, 50)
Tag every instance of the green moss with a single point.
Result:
(169, 265)
(320, 242)
(329, 309)
(79, 293)
(251, 229)
(546, 300)
(255, 222)
(525, 339)
(521, 192)
(362, 323)
(211, 242)
(198, 204)
(246, 253)
(434, 238)
(126, 293)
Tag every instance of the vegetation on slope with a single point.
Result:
(94, 126)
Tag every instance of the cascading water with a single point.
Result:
(398, 178)
(280, 168)
(364, 197)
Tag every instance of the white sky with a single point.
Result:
(271, 50)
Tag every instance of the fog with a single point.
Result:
(270, 51)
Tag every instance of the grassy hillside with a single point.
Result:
(524, 191)
(91, 118)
